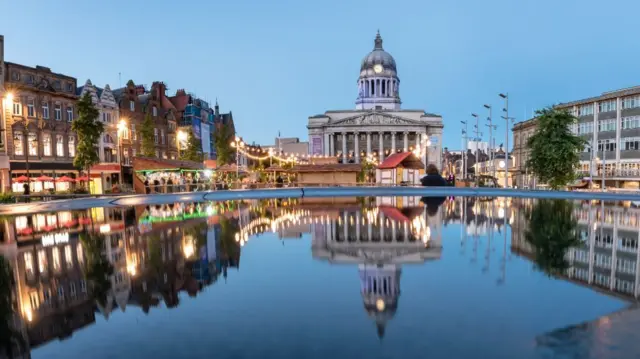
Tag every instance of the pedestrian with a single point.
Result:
(433, 178)
(27, 191)
(279, 182)
(147, 189)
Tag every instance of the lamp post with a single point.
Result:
(475, 164)
(491, 149)
(465, 138)
(506, 136)
(237, 144)
(122, 126)
(180, 137)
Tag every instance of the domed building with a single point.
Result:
(378, 125)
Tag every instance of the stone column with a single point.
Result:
(356, 145)
(370, 234)
(332, 145)
(358, 226)
(393, 142)
(406, 231)
(381, 227)
(406, 141)
(345, 226)
(368, 143)
(325, 145)
(393, 231)
(381, 149)
(344, 147)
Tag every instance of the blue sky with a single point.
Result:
(274, 63)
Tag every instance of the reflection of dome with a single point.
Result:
(378, 57)
(380, 289)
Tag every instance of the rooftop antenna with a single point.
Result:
(119, 79)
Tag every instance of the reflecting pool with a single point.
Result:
(386, 277)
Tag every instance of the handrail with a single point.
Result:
(320, 192)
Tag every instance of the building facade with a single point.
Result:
(610, 123)
(38, 135)
(195, 114)
(134, 102)
(108, 171)
(522, 131)
(378, 126)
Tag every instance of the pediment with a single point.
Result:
(376, 119)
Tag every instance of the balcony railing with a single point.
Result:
(630, 173)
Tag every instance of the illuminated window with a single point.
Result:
(72, 146)
(55, 253)
(59, 146)
(80, 253)
(28, 263)
(42, 261)
(46, 144)
(18, 145)
(68, 257)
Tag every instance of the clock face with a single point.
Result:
(378, 68)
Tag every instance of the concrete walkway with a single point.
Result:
(136, 200)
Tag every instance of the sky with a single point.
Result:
(275, 63)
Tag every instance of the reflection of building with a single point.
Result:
(380, 288)
(377, 126)
(379, 239)
(607, 258)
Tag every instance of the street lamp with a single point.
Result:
(465, 138)
(122, 126)
(475, 171)
(180, 137)
(506, 136)
(491, 149)
(237, 144)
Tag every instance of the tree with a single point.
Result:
(88, 129)
(555, 151)
(223, 138)
(193, 150)
(148, 139)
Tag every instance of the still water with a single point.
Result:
(341, 278)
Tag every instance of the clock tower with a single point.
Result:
(378, 84)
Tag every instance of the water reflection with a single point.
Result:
(69, 267)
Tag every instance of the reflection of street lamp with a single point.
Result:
(122, 126)
(181, 137)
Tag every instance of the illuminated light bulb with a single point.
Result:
(380, 305)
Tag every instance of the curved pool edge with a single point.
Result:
(315, 192)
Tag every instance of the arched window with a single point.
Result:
(384, 87)
(108, 139)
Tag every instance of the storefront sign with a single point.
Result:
(54, 239)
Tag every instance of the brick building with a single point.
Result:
(134, 102)
(39, 108)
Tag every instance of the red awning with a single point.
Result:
(394, 160)
(82, 179)
(21, 179)
(44, 178)
(64, 179)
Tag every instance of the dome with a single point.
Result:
(378, 57)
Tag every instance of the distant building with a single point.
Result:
(289, 145)
(195, 114)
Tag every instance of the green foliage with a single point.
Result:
(148, 147)
(193, 150)
(97, 268)
(130, 83)
(552, 231)
(555, 151)
(89, 130)
(223, 138)
(7, 198)
(368, 168)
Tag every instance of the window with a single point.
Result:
(33, 144)
(61, 293)
(72, 146)
(28, 263)
(630, 122)
(46, 144)
(72, 289)
(35, 303)
(132, 106)
(631, 102)
(83, 286)
(18, 145)
(46, 296)
(162, 138)
(69, 114)
(585, 128)
(133, 152)
(607, 145)
(31, 112)
(57, 112)
(607, 125)
(607, 106)
(80, 253)
(125, 154)
(68, 257)
(585, 110)
(157, 154)
(106, 117)
(17, 108)
(59, 146)
(107, 138)
(155, 111)
(155, 135)
(55, 254)
(45, 110)
(42, 261)
(630, 144)
(134, 135)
